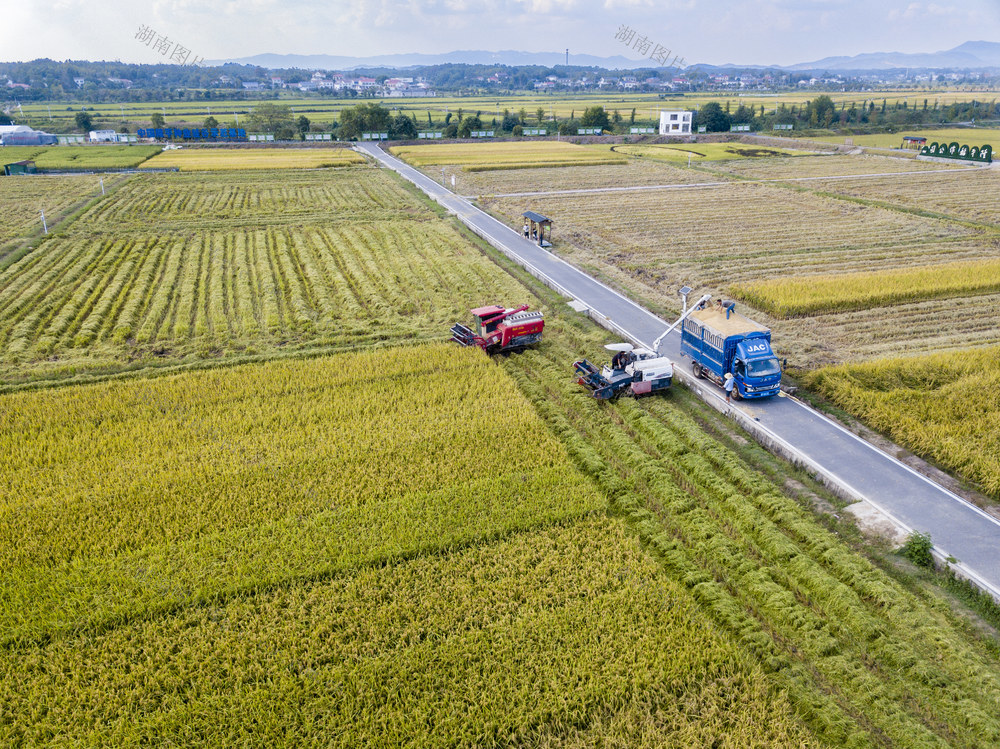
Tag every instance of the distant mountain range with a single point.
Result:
(970, 55)
(470, 57)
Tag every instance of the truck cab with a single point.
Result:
(756, 369)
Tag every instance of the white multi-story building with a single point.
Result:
(676, 122)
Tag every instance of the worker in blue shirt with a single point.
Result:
(729, 385)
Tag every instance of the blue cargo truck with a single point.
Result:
(721, 341)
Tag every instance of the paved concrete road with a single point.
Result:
(843, 460)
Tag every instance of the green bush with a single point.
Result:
(917, 549)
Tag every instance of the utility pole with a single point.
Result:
(45, 227)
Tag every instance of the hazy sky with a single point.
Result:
(713, 31)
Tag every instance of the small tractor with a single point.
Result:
(499, 330)
(633, 371)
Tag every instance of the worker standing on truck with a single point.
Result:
(730, 384)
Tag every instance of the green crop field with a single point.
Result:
(695, 152)
(971, 136)
(94, 157)
(10, 154)
(80, 157)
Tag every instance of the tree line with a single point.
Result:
(372, 117)
(823, 113)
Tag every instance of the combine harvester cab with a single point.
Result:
(500, 330)
(633, 371)
(722, 341)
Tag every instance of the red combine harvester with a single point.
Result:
(500, 330)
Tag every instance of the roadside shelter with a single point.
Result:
(537, 224)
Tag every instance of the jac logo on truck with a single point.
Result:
(755, 347)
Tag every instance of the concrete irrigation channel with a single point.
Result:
(847, 464)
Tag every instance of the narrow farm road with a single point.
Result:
(841, 459)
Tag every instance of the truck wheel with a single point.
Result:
(696, 370)
(736, 393)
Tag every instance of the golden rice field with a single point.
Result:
(804, 295)
(967, 194)
(863, 660)
(943, 406)
(328, 260)
(516, 155)
(214, 159)
(88, 303)
(531, 640)
(414, 544)
(338, 549)
(274, 471)
(191, 202)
